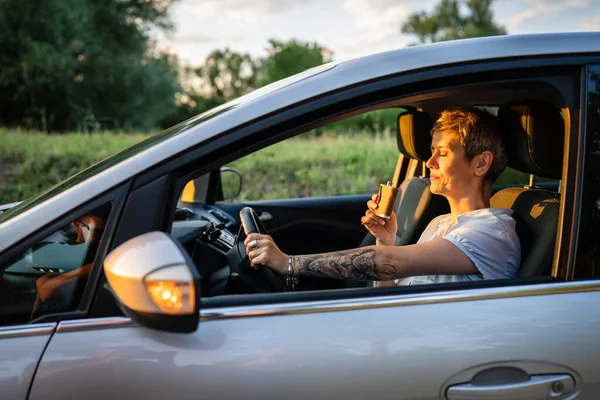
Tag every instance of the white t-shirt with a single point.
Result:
(487, 236)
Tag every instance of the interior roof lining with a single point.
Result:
(490, 94)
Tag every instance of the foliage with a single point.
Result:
(289, 58)
(334, 163)
(373, 122)
(80, 64)
(447, 23)
(226, 75)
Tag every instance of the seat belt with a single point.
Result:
(413, 165)
(401, 171)
(406, 168)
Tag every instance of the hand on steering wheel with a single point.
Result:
(252, 225)
(262, 251)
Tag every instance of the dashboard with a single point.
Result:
(205, 233)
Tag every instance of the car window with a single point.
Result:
(49, 277)
(588, 251)
(351, 156)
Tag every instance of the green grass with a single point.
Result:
(32, 161)
(305, 166)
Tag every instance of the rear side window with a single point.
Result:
(50, 276)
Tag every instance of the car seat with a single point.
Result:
(415, 206)
(535, 141)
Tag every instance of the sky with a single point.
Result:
(349, 28)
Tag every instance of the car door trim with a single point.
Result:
(306, 307)
(7, 332)
(309, 307)
(94, 324)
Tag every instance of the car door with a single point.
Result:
(499, 342)
(21, 349)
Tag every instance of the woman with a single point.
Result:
(473, 242)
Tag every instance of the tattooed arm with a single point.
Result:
(357, 264)
(386, 263)
(378, 263)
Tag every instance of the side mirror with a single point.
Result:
(231, 183)
(155, 282)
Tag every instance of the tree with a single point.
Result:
(71, 64)
(227, 75)
(447, 23)
(224, 76)
(289, 58)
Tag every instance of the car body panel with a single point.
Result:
(8, 206)
(121, 167)
(403, 347)
(21, 348)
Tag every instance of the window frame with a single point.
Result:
(584, 208)
(571, 138)
(329, 107)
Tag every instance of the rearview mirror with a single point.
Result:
(231, 183)
(155, 282)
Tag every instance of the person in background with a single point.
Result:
(60, 287)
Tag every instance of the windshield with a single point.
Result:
(153, 140)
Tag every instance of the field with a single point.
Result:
(305, 166)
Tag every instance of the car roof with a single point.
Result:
(33, 214)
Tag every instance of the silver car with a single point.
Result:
(128, 279)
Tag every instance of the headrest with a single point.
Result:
(414, 137)
(535, 137)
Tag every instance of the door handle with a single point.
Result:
(265, 216)
(537, 387)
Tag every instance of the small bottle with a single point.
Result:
(386, 199)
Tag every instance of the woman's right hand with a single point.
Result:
(383, 229)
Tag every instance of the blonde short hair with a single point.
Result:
(476, 131)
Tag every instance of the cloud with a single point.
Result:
(541, 3)
(204, 25)
(195, 38)
(263, 7)
(381, 15)
(579, 3)
(544, 9)
(377, 24)
(592, 24)
(563, 3)
(350, 28)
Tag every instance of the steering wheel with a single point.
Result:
(263, 279)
